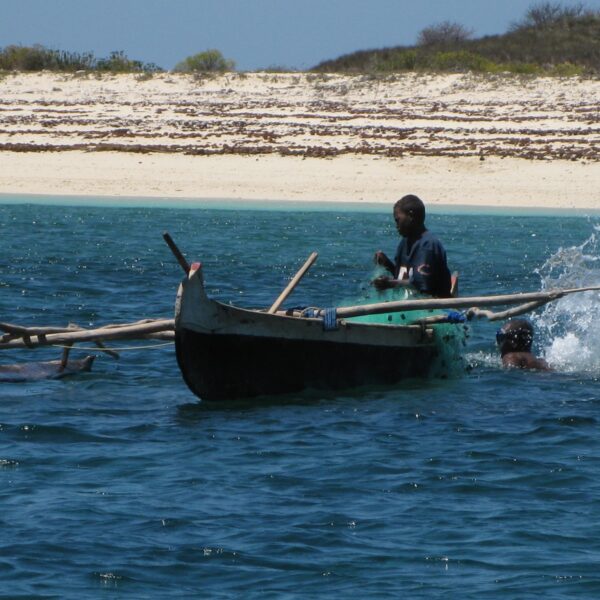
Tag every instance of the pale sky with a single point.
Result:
(254, 33)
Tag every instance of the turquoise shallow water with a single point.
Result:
(119, 483)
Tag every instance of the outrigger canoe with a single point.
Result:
(225, 352)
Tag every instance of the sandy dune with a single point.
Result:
(493, 140)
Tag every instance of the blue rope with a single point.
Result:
(455, 317)
(330, 319)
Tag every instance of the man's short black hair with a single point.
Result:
(412, 205)
(519, 332)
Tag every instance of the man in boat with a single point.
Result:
(514, 340)
(420, 260)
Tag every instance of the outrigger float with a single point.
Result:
(226, 352)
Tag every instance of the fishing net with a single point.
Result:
(450, 338)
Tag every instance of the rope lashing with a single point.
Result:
(330, 319)
(329, 316)
(455, 317)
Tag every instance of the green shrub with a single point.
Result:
(25, 59)
(567, 70)
(523, 68)
(40, 58)
(550, 38)
(544, 15)
(461, 61)
(404, 60)
(444, 34)
(118, 62)
(209, 61)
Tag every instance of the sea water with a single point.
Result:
(120, 483)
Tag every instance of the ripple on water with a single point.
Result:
(119, 482)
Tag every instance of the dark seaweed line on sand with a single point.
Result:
(455, 151)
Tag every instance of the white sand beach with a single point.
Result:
(452, 139)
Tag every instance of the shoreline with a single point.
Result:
(441, 182)
(128, 202)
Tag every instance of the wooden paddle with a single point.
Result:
(293, 283)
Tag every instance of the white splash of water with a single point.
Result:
(480, 359)
(569, 329)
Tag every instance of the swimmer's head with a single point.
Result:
(515, 336)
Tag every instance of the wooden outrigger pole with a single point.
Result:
(531, 299)
(17, 336)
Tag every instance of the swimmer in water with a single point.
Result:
(514, 340)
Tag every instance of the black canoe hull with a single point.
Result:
(223, 367)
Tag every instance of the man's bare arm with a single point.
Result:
(387, 283)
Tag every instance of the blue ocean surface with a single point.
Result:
(120, 483)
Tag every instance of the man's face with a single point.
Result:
(404, 222)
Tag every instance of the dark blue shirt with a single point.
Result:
(422, 261)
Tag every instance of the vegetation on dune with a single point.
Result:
(444, 34)
(209, 61)
(546, 15)
(117, 62)
(40, 58)
(551, 39)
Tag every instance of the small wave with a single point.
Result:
(569, 328)
(109, 579)
(109, 576)
(481, 359)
